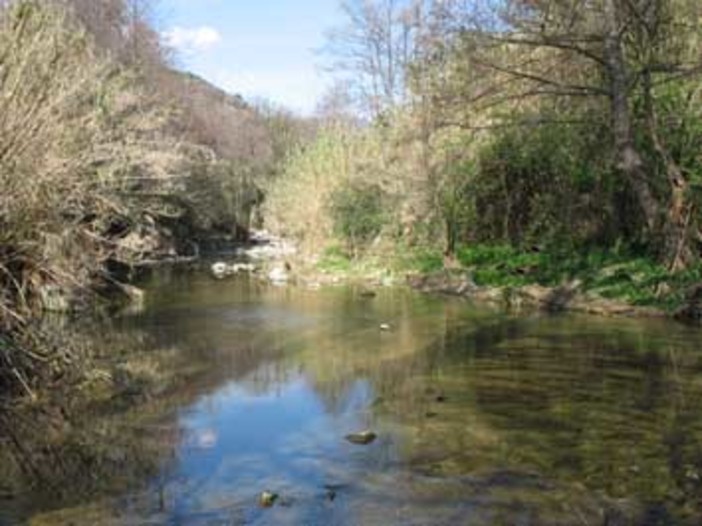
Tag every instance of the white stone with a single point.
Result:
(278, 275)
(219, 269)
(242, 267)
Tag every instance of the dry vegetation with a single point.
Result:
(108, 157)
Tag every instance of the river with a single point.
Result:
(482, 417)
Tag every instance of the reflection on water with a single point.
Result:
(481, 417)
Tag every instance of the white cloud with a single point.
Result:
(192, 40)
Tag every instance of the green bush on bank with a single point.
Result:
(334, 260)
(421, 259)
(358, 214)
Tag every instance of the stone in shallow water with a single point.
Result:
(219, 269)
(363, 438)
(278, 275)
(267, 499)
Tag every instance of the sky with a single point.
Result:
(258, 48)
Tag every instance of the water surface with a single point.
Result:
(483, 417)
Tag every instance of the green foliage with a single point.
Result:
(454, 201)
(334, 260)
(621, 275)
(358, 214)
(679, 119)
(499, 265)
(547, 184)
(425, 259)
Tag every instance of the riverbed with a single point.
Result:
(479, 416)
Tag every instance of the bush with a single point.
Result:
(421, 259)
(334, 259)
(549, 184)
(358, 214)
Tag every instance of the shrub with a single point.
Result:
(547, 184)
(358, 214)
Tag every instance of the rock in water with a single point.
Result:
(691, 310)
(219, 270)
(368, 294)
(278, 275)
(267, 499)
(384, 326)
(237, 268)
(363, 438)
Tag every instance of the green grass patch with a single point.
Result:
(624, 276)
(419, 259)
(335, 260)
(615, 275)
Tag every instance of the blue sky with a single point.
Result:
(259, 48)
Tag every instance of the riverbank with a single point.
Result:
(567, 297)
(594, 283)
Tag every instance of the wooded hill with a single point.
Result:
(108, 157)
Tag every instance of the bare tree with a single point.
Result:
(373, 51)
(336, 104)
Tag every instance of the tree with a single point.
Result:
(374, 50)
(609, 54)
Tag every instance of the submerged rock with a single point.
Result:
(363, 438)
(132, 298)
(691, 310)
(436, 394)
(278, 275)
(368, 294)
(267, 499)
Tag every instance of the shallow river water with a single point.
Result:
(482, 416)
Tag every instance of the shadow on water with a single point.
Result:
(481, 417)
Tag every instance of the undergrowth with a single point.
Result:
(620, 275)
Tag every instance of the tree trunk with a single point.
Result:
(676, 240)
(451, 237)
(629, 161)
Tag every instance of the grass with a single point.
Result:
(635, 279)
(615, 275)
(422, 259)
(334, 261)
